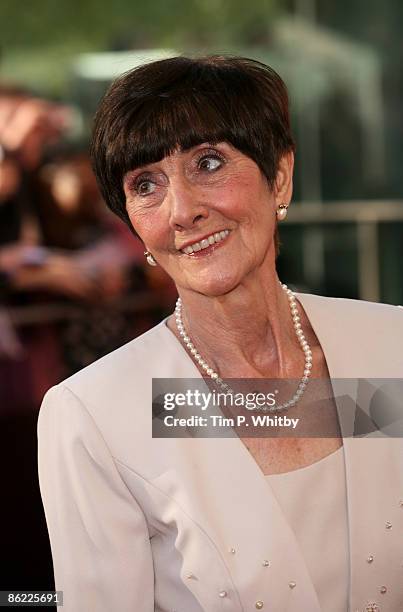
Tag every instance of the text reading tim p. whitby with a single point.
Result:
(215, 420)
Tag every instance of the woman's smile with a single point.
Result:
(205, 245)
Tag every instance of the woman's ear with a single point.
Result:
(283, 182)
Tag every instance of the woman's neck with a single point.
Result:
(246, 333)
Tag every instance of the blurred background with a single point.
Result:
(73, 281)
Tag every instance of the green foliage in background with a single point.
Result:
(39, 40)
(100, 23)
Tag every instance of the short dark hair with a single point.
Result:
(181, 102)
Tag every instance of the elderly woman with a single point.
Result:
(196, 155)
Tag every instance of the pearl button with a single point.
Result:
(370, 559)
(189, 575)
(222, 594)
(266, 563)
(232, 551)
(383, 590)
(388, 525)
(292, 584)
(259, 605)
(401, 503)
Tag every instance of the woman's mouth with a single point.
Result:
(206, 244)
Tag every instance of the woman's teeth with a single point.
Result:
(206, 242)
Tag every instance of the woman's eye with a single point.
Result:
(144, 187)
(210, 163)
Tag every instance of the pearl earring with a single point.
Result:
(282, 212)
(150, 259)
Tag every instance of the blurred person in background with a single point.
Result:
(27, 126)
(57, 243)
(196, 154)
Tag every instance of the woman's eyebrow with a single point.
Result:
(200, 144)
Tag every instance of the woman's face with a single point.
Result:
(207, 215)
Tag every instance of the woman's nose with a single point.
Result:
(186, 205)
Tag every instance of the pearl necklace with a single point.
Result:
(223, 385)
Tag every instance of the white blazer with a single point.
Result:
(142, 524)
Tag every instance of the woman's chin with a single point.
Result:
(214, 286)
